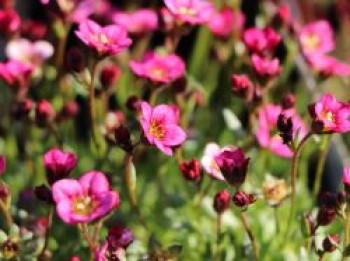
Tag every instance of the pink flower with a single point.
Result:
(59, 164)
(260, 40)
(317, 37)
(346, 176)
(83, 9)
(10, 21)
(107, 40)
(2, 165)
(330, 115)
(224, 22)
(328, 65)
(190, 11)
(159, 68)
(33, 53)
(84, 200)
(265, 67)
(15, 72)
(142, 21)
(267, 125)
(160, 125)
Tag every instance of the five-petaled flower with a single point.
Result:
(84, 200)
(160, 125)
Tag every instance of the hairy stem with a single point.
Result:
(250, 235)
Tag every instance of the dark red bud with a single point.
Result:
(221, 201)
(109, 75)
(242, 199)
(133, 103)
(288, 101)
(123, 139)
(191, 170)
(326, 216)
(44, 194)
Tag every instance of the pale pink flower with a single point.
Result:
(141, 21)
(33, 53)
(265, 67)
(317, 37)
(225, 22)
(84, 200)
(260, 40)
(15, 72)
(159, 68)
(332, 115)
(160, 125)
(106, 40)
(191, 11)
(328, 65)
(346, 177)
(267, 126)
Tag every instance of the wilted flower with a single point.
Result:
(330, 115)
(268, 118)
(44, 194)
(233, 165)
(330, 243)
(275, 191)
(317, 37)
(139, 22)
(221, 201)
(159, 68)
(59, 164)
(2, 165)
(265, 67)
(160, 125)
(260, 40)
(326, 216)
(191, 170)
(193, 12)
(84, 200)
(285, 126)
(242, 199)
(107, 40)
(10, 21)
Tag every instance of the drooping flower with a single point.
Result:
(10, 21)
(233, 165)
(2, 165)
(260, 40)
(330, 115)
(267, 135)
(105, 40)
(193, 12)
(84, 200)
(159, 68)
(160, 125)
(59, 164)
(346, 177)
(317, 37)
(225, 22)
(328, 65)
(140, 22)
(15, 72)
(265, 67)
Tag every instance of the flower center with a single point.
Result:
(328, 115)
(156, 130)
(100, 37)
(187, 11)
(84, 206)
(158, 73)
(312, 41)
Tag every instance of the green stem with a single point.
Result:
(277, 223)
(203, 192)
(250, 235)
(92, 110)
(218, 236)
(85, 232)
(47, 233)
(6, 213)
(326, 142)
(294, 175)
(346, 234)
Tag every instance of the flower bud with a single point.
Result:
(242, 199)
(33, 30)
(123, 139)
(233, 165)
(133, 103)
(22, 109)
(330, 243)
(75, 60)
(241, 86)
(221, 201)
(285, 126)
(288, 101)
(2, 165)
(191, 170)
(69, 110)
(43, 193)
(59, 164)
(326, 216)
(44, 113)
(119, 237)
(10, 22)
(109, 75)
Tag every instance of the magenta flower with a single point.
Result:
(267, 126)
(84, 200)
(15, 72)
(142, 21)
(160, 125)
(317, 37)
(193, 12)
(159, 68)
(107, 40)
(225, 22)
(59, 164)
(330, 115)
(2, 165)
(346, 177)
(83, 9)
(328, 65)
(265, 67)
(260, 40)
(10, 21)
